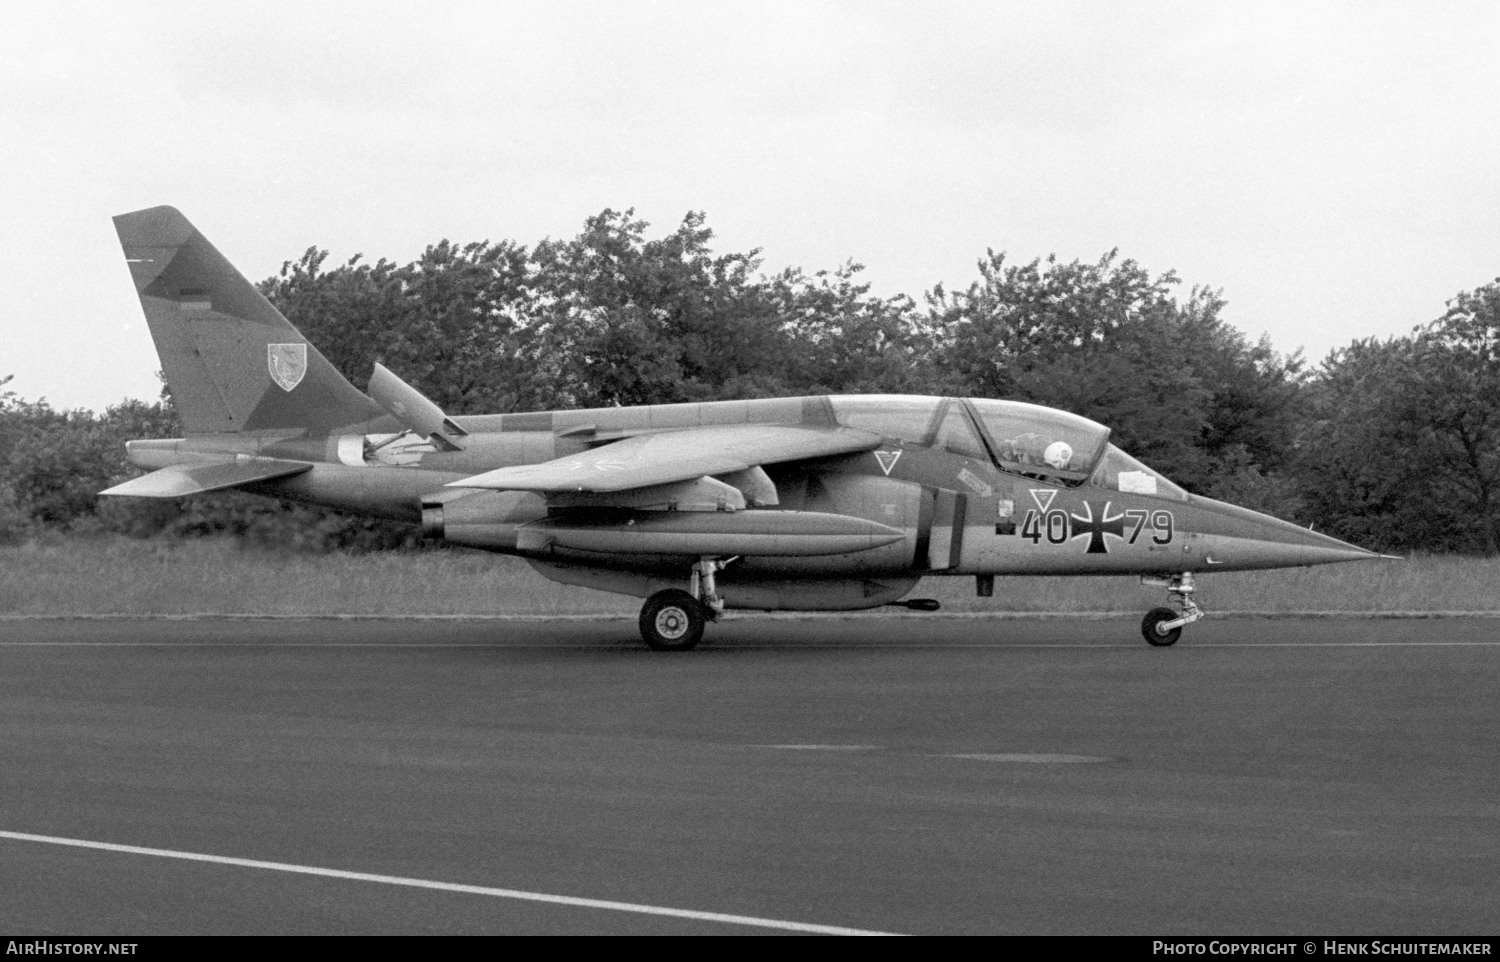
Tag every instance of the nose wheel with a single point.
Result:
(1156, 634)
(1163, 626)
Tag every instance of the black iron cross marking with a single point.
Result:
(1096, 530)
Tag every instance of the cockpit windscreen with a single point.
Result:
(1118, 471)
(1041, 442)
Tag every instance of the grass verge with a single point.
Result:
(121, 576)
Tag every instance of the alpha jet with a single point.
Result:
(791, 504)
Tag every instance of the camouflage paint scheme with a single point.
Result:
(926, 482)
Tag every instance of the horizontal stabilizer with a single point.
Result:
(179, 480)
(688, 454)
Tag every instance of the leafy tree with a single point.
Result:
(624, 320)
(56, 461)
(843, 340)
(1457, 392)
(447, 322)
(1450, 397)
(15, 522)
(1357, 471)
(1403, 451)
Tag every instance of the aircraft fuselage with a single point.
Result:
(807, 503)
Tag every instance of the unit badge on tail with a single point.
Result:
(287, 364)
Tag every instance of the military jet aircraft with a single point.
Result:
(807, 503)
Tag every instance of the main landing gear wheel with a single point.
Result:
(1151, 627)
(672, 620)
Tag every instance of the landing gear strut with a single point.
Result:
(1163, 626)
(673, 620)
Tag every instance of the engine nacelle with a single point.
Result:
(480, 519)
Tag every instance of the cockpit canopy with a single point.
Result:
(1041, 441)
(1026, 439)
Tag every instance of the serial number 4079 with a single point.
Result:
(1058, 527)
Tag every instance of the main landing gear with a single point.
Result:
(1163, 626)
(673, 619)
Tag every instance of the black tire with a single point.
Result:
(672, 620)
(1155, 617)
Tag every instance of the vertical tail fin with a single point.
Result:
(232, 361)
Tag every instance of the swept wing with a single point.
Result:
(663, 458)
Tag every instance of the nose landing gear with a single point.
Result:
(1163, 626)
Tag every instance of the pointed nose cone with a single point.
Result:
(1238, 538)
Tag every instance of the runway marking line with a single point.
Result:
(824, 748)
(1032, 758)
(709, 649)
(514, 894)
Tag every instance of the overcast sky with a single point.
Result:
(1333, 168)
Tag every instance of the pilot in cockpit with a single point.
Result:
(1034, 449)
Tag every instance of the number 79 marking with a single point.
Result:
(1162, 525)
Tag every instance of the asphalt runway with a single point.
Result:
(911, 775)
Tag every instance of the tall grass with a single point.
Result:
(121, 576)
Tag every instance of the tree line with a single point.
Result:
(1392, 444)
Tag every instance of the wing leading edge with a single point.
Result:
(652, 459)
